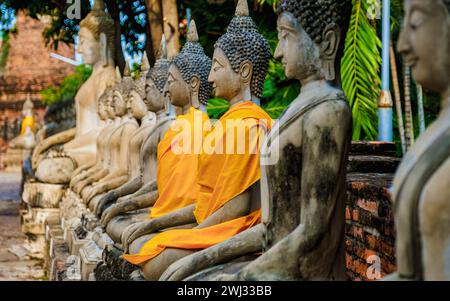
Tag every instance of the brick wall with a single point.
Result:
(370, 233)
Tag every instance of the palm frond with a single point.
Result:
(360, 72)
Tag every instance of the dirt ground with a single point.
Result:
(15, 264)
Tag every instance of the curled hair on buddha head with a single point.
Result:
(316, 15)
(192, 61)
(242, 42)
(160, 71)
(99, 21)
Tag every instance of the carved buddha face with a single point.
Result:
(226, 82)
(101, 108)
(89, 47)
(425, 42)
(301, 57)
(136, 105)
(177, 89)
(154, 98)
(119, 104)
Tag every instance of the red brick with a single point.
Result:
(347, 214)
(370, 206)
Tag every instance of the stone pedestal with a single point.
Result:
(90, 255)
(34, 220)
(43, 195)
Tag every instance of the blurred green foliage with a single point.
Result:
(69, 86)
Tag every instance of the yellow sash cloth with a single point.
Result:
(221, 176)
(178, 156)
(27, 122)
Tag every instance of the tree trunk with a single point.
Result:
(149, 45)
(114, 11)
(170, 14)
(155, 21)
(398, 100)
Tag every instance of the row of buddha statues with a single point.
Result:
(175, 214)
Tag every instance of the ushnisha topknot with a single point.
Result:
(139, 84)
(243, 42)
(99, 21)
(192, 60)
(316, 15)
(126, 84)
(160, 71)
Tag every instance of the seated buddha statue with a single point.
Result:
(26, 138)
(303, 162)
(420, 190)
(178, 151)
(229, 169)
(148, 90)
(116, 173)
(146, 120)
(96, 45)
(107, 115)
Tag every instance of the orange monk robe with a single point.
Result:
(221, 176)
(28, 121)
(178, 156)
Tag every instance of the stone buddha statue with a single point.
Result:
(26, 138)
(116, 173)
(107, 115)
(420, 191)
(228, 175)
(303, 163)
(147, 120)
(97, 48)
(188, 89)
(149, 90)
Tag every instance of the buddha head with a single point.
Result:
(102, 112)
(96, 36)
(311, 35)
(155, 81)
(136, 104)
(188, 74)
(121, 92)
(108, 102)
(425, 42)
(241, 59)
(27, 109)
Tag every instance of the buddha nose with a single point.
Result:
(404, 45)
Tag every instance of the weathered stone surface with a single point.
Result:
(43, 195)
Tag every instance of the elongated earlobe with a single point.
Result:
(329, 47)
(194, 86)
